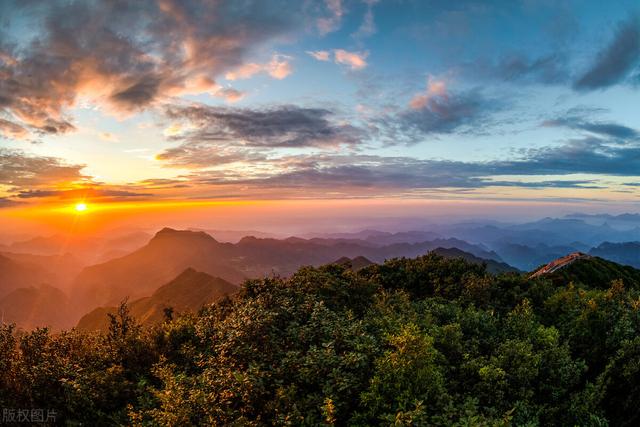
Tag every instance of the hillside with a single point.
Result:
(187, 292)
(427, 341)
(588, 270)
(492, 266)
(354, 264)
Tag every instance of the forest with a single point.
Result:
(423, 341)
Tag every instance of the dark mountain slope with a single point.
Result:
(590, 271)
(354, 264)
(494, 267)
(187, 292)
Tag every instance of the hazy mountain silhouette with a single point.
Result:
(54, 270)
(627, 253)
(143, 271)
(529, 257)
(36, 306)
(89, 249)
(171, 251)
(187, 292)
(15, 274)
(256, 257)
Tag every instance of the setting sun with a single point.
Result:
(81, 207)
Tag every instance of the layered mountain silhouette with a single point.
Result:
(136, 264)
(143, 271)
(88, 250)
(187, 292)
(36, 306)
(15, 274)
(54, 270)
(627, 253)
(171, 251)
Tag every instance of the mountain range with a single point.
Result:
(135, 264)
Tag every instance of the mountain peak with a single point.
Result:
(170, 233)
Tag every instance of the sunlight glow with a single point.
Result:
(81, 207)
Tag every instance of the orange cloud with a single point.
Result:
(88, 53)
(355, 60)
(435, 89)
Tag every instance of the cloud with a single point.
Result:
(589, 155)
(82, 193)
(605, 129)
(25, 177)
(435, 89)
(215, 135)
(12, 130)
(126, 57)
(362, 174)
(203, 154)
(368, 25)
(439, 111)
(354, 60)
(138, 95)
(278, 67)
(548, 69)
(320, 55)
(6, 202)
(331, 22)
(615, 61)
(229, 94)
(23, 171)
(600, 155)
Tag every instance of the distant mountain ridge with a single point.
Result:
(15, 274)
(171, 251)
(627, 253)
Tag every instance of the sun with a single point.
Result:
(80, 207)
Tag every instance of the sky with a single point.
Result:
(157, 104)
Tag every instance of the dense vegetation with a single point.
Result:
(424, 341)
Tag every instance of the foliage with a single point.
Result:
(427, 341)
